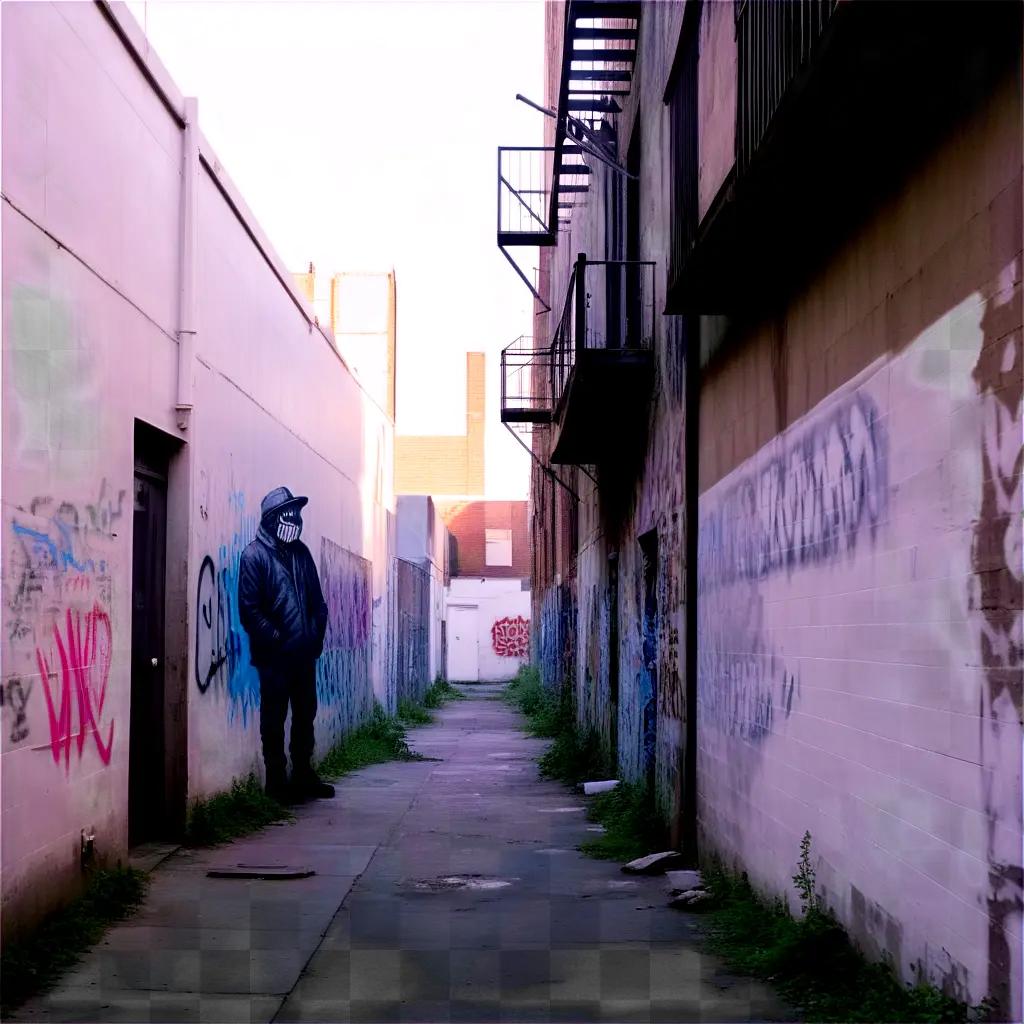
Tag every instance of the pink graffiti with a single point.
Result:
(511, 637)
(84, 670)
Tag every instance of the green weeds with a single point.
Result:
(810, 959)
(440, 693)
(633, 827)
(242, 809)
(380, 739)
(32, 964)
(412, 713)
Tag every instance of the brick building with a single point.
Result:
(447, 464)
(491, 539)
(775, 408)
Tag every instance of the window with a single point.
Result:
(499, 547)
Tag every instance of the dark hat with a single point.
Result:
(277, 499)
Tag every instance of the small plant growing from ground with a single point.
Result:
(242, 809)
(35, 962)
(380, 739)
(632, 825)
(412, 713)
(526, 691)
(804, 879)
(810, 960)
(576, 755)
(440, 693)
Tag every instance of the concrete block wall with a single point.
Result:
(860, 575)
(91, 223)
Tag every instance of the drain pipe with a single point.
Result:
(187, 262)
(691, 442)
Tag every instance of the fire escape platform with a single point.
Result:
(805, 137)
(604, 405)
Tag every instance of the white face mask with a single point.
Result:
(289, 526)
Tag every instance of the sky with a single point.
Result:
(363, 135)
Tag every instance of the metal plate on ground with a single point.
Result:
(268, 871)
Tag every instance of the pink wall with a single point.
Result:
(92, 170)
(860, 576)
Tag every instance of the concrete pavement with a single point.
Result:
(448, 889)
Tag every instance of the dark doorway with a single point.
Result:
(146, 756)
(649, 672)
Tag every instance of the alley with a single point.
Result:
(445, 889)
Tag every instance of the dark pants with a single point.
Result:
(280, 684)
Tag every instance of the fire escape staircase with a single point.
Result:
(538, 186)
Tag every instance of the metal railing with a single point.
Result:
(609, 304)
(524, 190)
(775, 40)
(683, 141)
(525, 382)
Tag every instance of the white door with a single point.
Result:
(463, 644)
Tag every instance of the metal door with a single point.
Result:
(146, 766)
(463, 644)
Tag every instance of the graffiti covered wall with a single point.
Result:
(859, 559)
(860, 584)
(85, 366)
(344, 681)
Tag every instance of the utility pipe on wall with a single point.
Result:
(187, 262)
(691, 489)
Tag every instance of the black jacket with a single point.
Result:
(280, 601)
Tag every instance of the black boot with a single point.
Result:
(310, 786)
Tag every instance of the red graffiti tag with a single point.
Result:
(84, 670)
(511, 637)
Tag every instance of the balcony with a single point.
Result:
(524, 195)
(837, 102)
(593, 383)
(525, 383)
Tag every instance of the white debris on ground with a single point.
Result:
(691, 899)
(590, 788)
(680, 881)
(654, 863)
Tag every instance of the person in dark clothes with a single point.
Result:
(282, 608)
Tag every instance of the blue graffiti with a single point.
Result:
(222, 644)
(822, 492)
(557, 637)
(59, 556)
